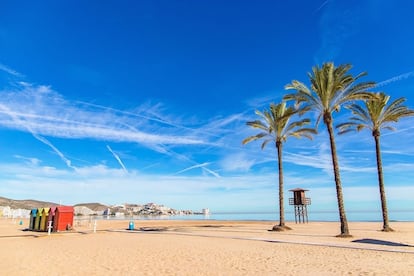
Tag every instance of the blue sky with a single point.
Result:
(146, 101)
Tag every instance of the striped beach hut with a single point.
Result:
(33, 213)
(63, 218)
(44, 219)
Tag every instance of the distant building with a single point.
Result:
(6, 211)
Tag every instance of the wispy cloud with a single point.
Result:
(43, 112)
(339, 22)
(47, 113)
(116, 156)
(259, 102)
(16, 120)
(30, 160)
(223, 123)
(137, 113)
(10, 71)
(238, 162)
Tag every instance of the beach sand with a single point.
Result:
(165, 247)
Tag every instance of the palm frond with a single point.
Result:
(254, 137)
(376, 114)
(346, 127)
(389, 128)
(360, 75)
(276, 126)
(357, 110)
(257, 124)
(265, 143)
(304, 132)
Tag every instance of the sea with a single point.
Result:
(369, 216)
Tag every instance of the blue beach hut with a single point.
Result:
(32, 221)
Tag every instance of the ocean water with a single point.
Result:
(317, 216)
(406, 215)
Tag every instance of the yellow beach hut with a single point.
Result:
(44, 219)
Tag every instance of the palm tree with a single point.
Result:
(330, 88)
(276, 127)
(375, 117)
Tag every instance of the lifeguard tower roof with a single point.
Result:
(298, 190)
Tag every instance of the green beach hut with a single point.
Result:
(38, 218)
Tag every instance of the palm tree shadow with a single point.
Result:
(153, 229)
(381, 242)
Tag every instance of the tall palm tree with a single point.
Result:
(276, 127)
(330, 88)
(376, 116)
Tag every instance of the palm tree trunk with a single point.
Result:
(386, 227)
(281, 197)
(339, 195)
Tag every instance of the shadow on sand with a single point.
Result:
(20, 236)
(381, 242)
(152, 229)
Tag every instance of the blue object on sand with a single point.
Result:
(131, 225)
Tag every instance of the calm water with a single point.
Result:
(289, 216)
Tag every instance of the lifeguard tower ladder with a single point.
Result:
(300, 203)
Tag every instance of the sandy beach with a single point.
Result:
(165, 247)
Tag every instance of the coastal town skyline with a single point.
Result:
(117, 102)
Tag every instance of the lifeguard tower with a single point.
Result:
(300, 202)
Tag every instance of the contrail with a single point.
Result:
(212, 172)
(154, 119)
(321, 6)
(58, 152)
(193, 167)
(396, 78)
(202, 166)
(183, 157)
(38, 137)
(133, 114)
(117, 158)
